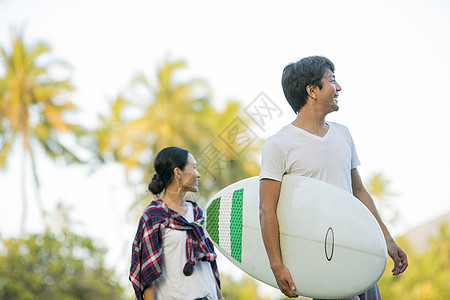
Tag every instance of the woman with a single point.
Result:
(172, 258)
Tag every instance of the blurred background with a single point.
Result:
(91, 90)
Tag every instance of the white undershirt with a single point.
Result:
(173, 284)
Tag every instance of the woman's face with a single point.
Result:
(190, 175)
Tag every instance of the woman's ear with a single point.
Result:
(311, 91)
(177, 172)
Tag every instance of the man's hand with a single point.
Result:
(398, 256)
(269, 192)
(394, 251)
(284, 281)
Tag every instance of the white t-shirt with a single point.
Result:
(173, 284)
(293, 150)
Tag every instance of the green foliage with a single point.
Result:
(170, 112)
(380, 188)
(244, 289)
(299, 298)
(49, 266)
(33, 104)
(428, 274)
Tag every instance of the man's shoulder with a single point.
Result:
(278, 138)
(338, 126)
(283, 132)
(335, 124)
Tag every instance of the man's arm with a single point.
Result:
(395, 252)
(269, 192)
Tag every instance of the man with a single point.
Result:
(312, 147)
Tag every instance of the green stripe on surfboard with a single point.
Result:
(212, 223)
(236, 225)
(224, 222)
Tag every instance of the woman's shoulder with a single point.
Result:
(153, 211)
(198, 212)
(193, 204)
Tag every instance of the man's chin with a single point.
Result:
(336, 107)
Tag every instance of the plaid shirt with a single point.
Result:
(146, 257)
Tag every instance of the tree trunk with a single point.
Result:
(23, 192)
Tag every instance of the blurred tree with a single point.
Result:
(149, 117)
(32, 107)
(299, 298)
(379, 187)
(55, 266)
(428, 274)
(243, 289)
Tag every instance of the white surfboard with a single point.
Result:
(331, 243)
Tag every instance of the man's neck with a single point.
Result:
(311, 122)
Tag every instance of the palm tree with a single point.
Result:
(149, 117)
(32, 107)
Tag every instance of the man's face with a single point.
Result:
(327, 96)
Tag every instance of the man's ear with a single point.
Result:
(311, 91)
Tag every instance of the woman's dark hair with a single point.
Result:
(165, 162)
(297, 76)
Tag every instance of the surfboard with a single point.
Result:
(330, 242)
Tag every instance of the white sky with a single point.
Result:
(391, 60)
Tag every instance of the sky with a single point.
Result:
(391, 61)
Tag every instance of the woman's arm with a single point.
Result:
(149, 292)
(219, 292)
